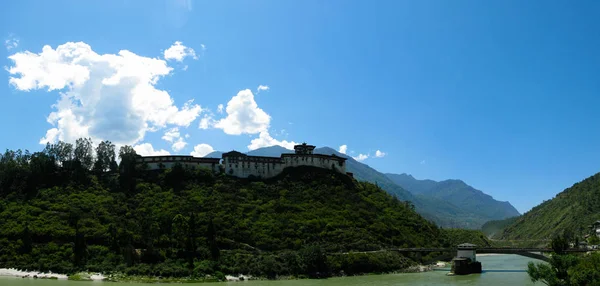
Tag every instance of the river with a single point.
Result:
(497, 270)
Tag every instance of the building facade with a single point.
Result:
(244, 166)
(240, 165)
(168, 161)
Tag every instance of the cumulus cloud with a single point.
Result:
(206, 122)
(171, 134)
(102, 96)
(146, 149)
(244, 116)
(178, 52)
(361, 157)
(265, 140)
(202, 150)
(179, 145)
(261, 88)
(220, 108)
(11, 42)
(343, 149)
(379, 154)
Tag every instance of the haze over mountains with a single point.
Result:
(450, 203)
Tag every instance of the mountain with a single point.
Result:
(272, 151)
(411, 184)
(459, 194)
(363, 172)
(572, 210)
(214, 154)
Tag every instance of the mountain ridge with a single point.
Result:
(459, 193)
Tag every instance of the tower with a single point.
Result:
(304, 149)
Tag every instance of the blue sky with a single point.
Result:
(501, 94)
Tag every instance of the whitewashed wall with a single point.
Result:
(467, 254)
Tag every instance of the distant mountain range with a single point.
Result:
(450, 204)
(459, 194)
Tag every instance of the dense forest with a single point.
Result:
(73, 208)
(572, 211)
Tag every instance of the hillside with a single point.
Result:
(179, 222)
(436, 209)
(493, 228)
(483, 206)
(572, 210)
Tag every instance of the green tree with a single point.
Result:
(315, 261)
(556, 272)
(84, 153)
(105, 157)
(26, 239)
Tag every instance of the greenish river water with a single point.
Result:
(497, 270)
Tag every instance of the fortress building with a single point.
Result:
(168, 161)
(240, 165)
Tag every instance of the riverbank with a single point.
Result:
(120, 277)
(12, 272)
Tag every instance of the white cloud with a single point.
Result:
(423, 162)
(261, 88)
(265, 140)
(244, 116)
(202, 150)
(343, 149)
(179, 145)
(187, 136)
(178, 52)
(380, 154)
(171, 134)
(103, 96)
(361, 157)
(203, 47)
(206, 122)
(146, 149)
(220, 108)
(11, 42)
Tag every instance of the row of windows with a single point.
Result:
(156, 159)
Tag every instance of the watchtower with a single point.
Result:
(467, 250)
(304, 149)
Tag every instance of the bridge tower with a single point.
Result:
(465, 261)
(467, 250)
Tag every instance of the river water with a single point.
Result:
(497, 270)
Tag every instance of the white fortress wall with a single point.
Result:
(320, 161)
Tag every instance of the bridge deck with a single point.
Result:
(507, 250)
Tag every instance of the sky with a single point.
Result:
(501, 94)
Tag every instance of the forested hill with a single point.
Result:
(444, 211)
(571, 211)
(73, 208)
